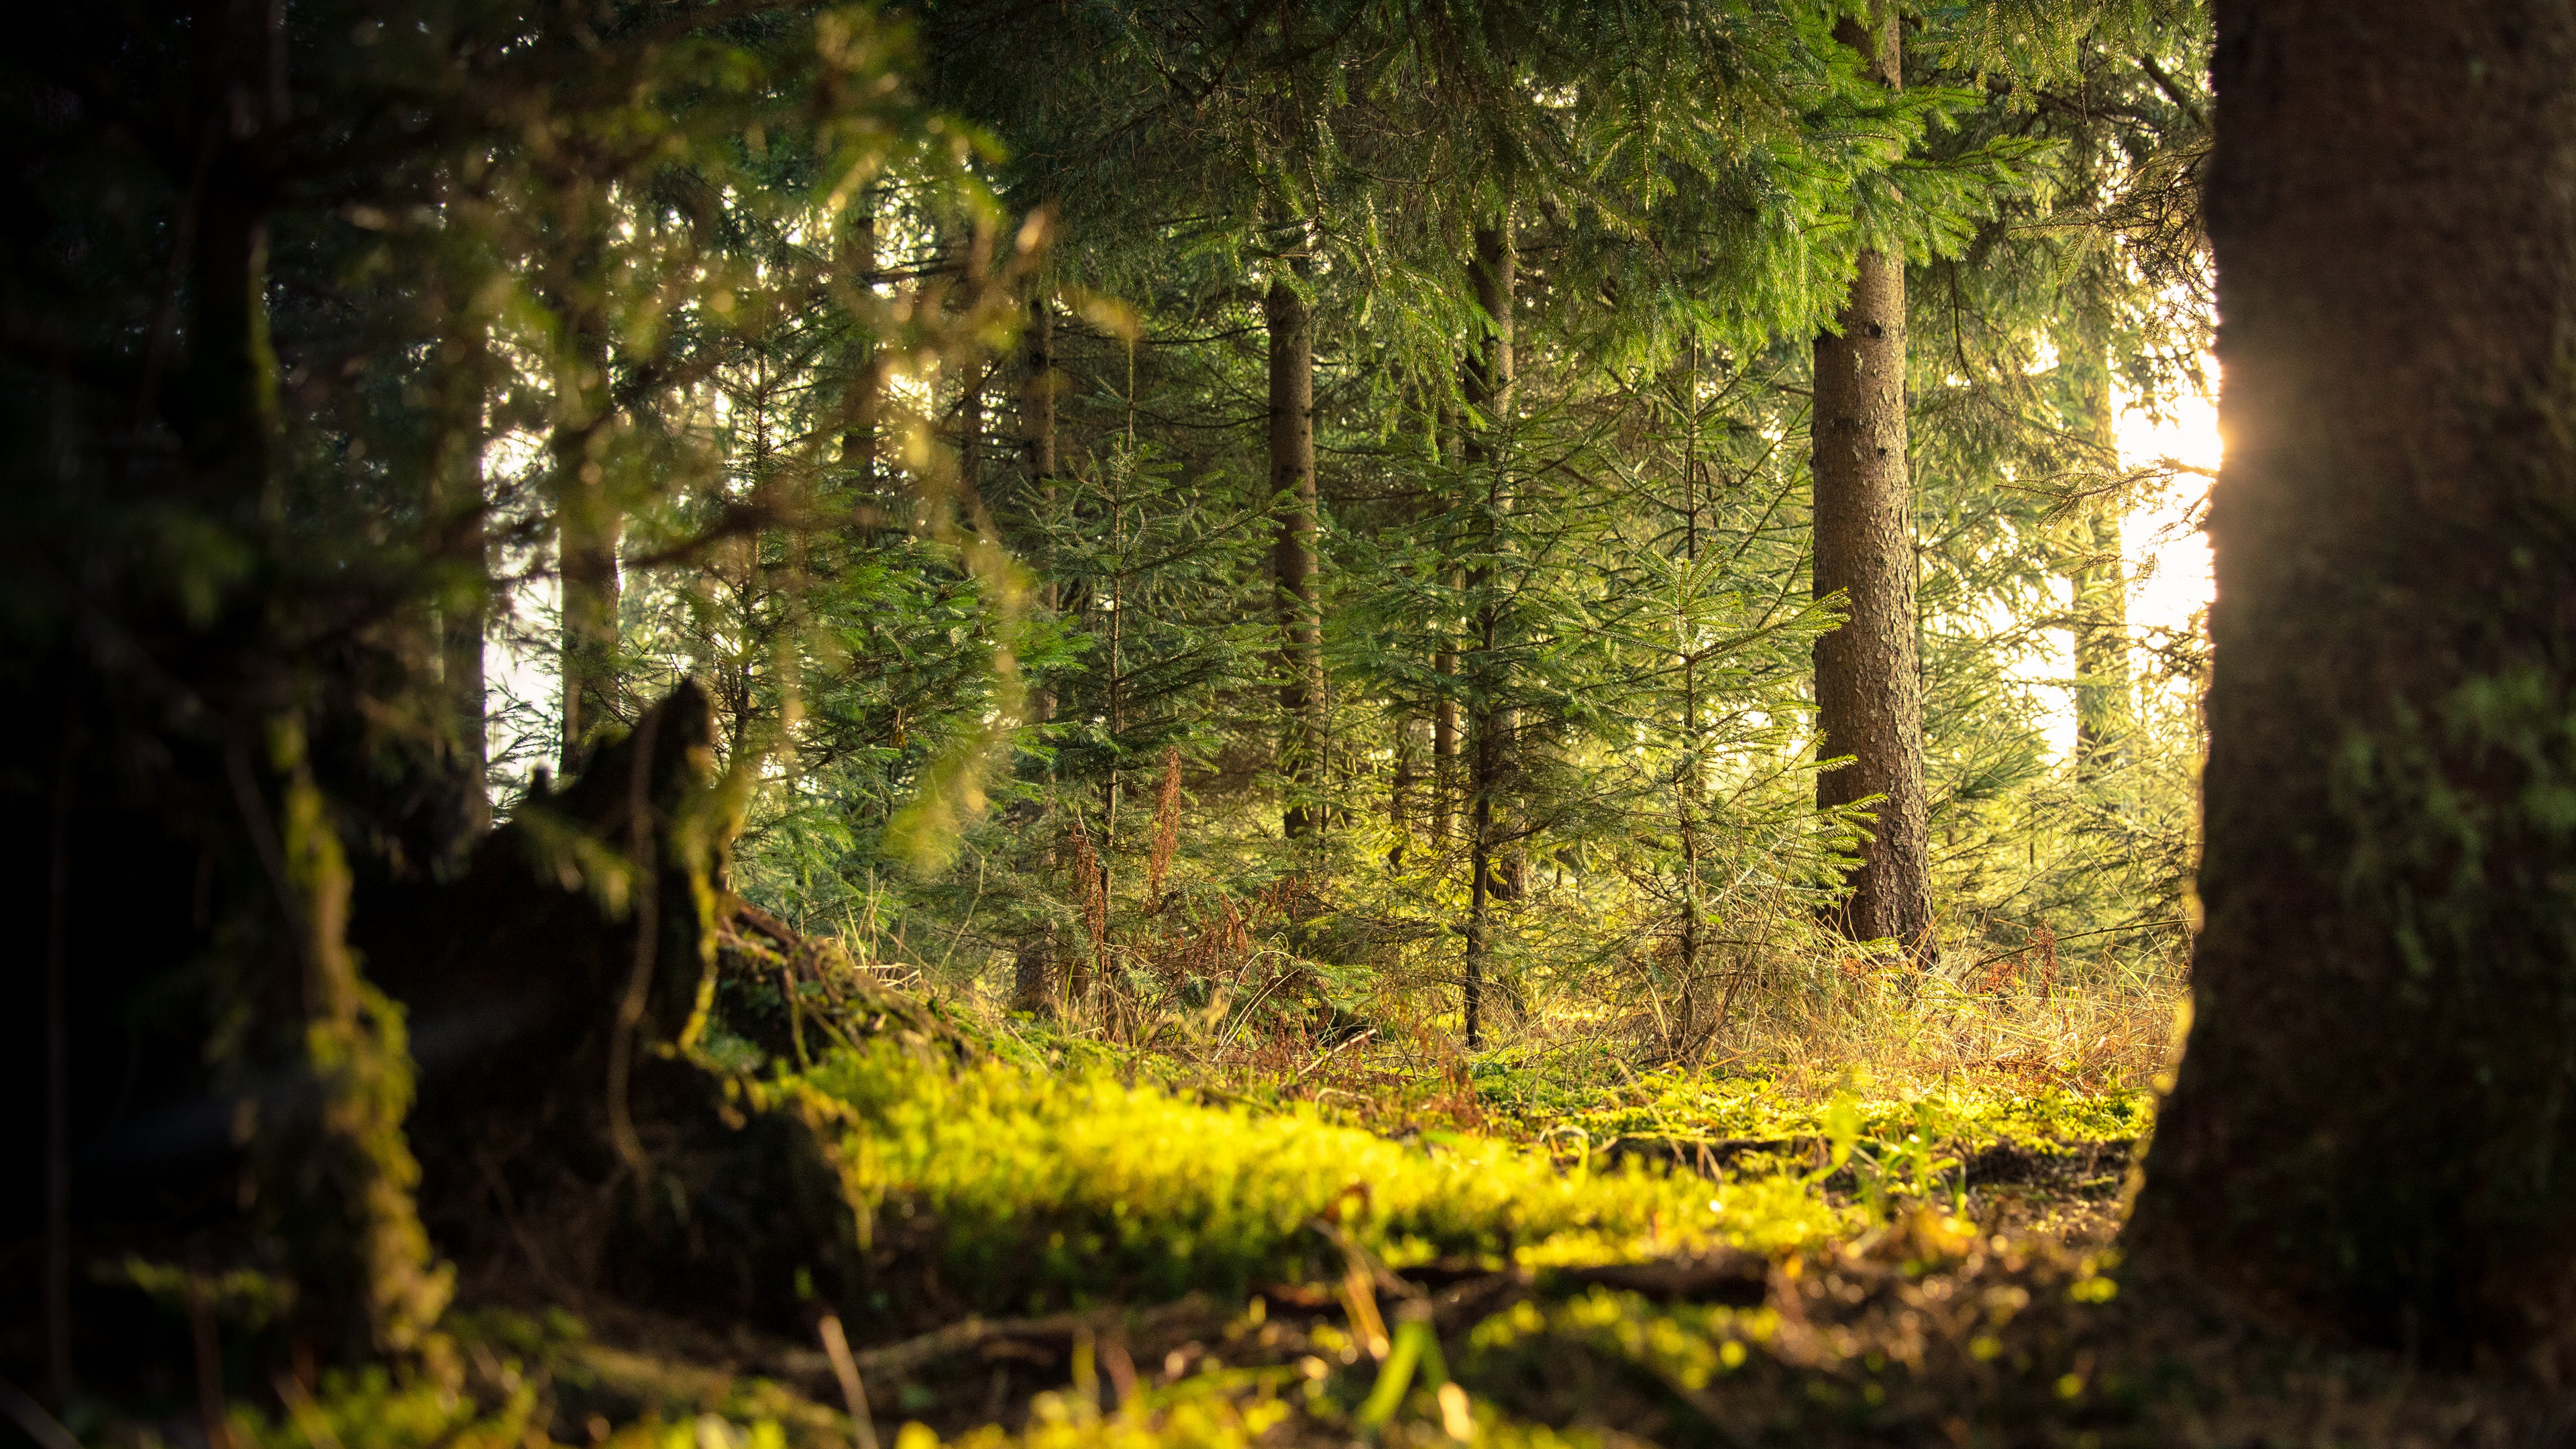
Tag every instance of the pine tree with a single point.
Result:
(1868, 693)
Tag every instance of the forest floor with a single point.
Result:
(1384, 1243)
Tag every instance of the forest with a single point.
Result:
(1194, 724)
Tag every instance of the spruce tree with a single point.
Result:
(1869, 703)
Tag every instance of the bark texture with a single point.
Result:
(2374, 1127)
(1869, 695)
(1292, 494)
(1486, 382)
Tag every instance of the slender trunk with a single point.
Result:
(2099, 590)
(457, 504)
(1687, 777)
(2366, 1131)
(1293, 502)
(1444, 746)
(586, 517)
(1869, 699)
(1399, 798)
(1037, 426)
(1486, 381)
(1034, 970)
(1444, 717)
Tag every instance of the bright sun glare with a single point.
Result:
(2168, 561)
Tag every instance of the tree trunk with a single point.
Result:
(1486, 381)
(1292, 495)
(1869, 697)
(2370, 1129)
(1037, 426)
(1444, 751)
(1034, 975)
(586, 518)
(1444, 716)
(457, 503)
(2099, 592)
(1399, 798)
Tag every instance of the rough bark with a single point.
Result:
(1486, 382)
(1292, 493)
(2371, 1128)
(1869, 698)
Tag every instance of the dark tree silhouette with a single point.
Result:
(2372, 1125)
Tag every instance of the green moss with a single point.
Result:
(1033, 1190)
(1687, 1107)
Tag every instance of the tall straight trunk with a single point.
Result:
(2099, 591)
(1486, 382)
(1444, 716)
(457, 503)
(1399, 796)
(1869, 697)
(1037, 430)
(1292, 499)
(1033, 965)
(2370, 1129)
(586, 518)
(1444, 748)
(1690, 774)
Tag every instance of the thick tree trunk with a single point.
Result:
(1869, 697)
(2371, 1126)
(1486, 381)
(1292, 494)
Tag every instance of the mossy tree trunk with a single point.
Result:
(2374, 1127)
(1869, 697)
